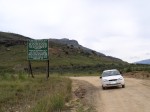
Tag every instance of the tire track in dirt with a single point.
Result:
(134, 98)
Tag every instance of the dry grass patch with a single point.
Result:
(22, 93)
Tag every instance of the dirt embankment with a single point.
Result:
(134, 98)
(137, 74)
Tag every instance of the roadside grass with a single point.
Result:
(49, 103)
(19, 92)
(82, 74)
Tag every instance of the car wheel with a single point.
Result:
(123, 86)
(103, 87)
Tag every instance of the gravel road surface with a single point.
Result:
(135, 97)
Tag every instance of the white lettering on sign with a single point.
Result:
(38, 50)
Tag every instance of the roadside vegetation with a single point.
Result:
(21, 93)
(64, 59)
(14, 59)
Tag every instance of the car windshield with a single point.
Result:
(110, 73)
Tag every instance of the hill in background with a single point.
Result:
(65, 56)
(147, 61)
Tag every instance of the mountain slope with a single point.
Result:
(10, 39)
(75, 44)
(65, 55)
(147, 61)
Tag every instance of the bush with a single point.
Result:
(128, 69)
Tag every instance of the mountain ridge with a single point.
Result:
(146, 61)
(64, 55)
(75, 44)
(10, 39)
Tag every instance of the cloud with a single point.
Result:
(113, 27)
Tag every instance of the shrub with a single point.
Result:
(128, 69)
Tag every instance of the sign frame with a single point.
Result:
(38, 50)
(35, 48)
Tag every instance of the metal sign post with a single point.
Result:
(38, 50)
(30, 69)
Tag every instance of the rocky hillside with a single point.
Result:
(11, 39)
(64, 54)
(75, 45)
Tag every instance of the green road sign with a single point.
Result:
(38, 50)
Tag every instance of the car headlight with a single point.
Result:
(120, 78)
(105, 80)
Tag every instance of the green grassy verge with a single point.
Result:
(18, 92)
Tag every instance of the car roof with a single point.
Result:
(110, 70)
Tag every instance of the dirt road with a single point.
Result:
(134, 98)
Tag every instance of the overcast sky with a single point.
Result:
(119, 28)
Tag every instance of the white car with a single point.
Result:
(111, 78)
